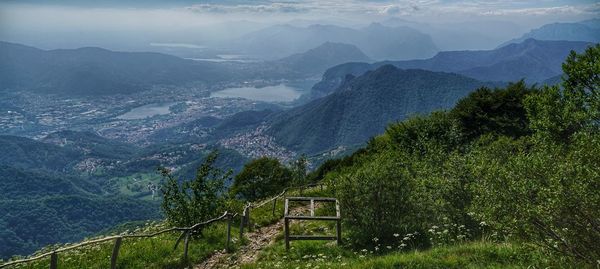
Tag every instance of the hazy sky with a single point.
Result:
(79, 22)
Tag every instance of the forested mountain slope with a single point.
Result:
(363, 106)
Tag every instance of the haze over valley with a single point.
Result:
(95, 96)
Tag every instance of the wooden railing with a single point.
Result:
(185, 233)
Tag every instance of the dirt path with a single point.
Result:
(248, 253)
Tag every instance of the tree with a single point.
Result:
(299, 169)
(499, 111)
(195, 200)
(558, 113)
(260, 178)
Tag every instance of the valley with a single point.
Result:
(129, 130)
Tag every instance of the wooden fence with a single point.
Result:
(185, 233)
(288, 217)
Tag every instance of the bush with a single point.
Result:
(542, 193)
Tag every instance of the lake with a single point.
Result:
(146, 111)
(277, 93)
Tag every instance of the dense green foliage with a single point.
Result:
(260, 178)
(195, 200)
(516, 163)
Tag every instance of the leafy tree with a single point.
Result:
(499, 111)
(557, 113)
(422, 135)
(195, 200)
(260, 178)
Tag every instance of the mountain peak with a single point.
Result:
(326, 55)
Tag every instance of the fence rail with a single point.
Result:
(185, 232)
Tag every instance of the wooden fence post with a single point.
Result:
(242, 219)
(248, 223)
(274, 205)
(53, 260)
(229, 217)
(286, 229)
(186, 244)
(115, 253)
(339, 231)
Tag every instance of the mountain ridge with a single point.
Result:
(509, 63)
(364, 105)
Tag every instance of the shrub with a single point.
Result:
(377, 201)
(543, 193)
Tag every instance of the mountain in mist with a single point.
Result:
(96, 71)
(363, 106)
(319, 59)
(532, 60)
(588, 31)
(376, 41)
(483, 34)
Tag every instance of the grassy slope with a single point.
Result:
(144, 253)
(158, 252)
(307, 254)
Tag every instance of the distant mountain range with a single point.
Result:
(532, 60)
(363, 106)
(96, 71)
(588, 31)
(376, 41)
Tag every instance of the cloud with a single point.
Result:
(390, 10)
(403, 7)
(259, 8)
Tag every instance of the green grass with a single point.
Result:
(264, 215)
(156, 252)
(314, 254)
(324, 254)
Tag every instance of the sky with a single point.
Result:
(72, 23)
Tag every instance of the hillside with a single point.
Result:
(376, 41)
(41, 208)
(532, 60)
(30, 154)
(363, 106)
(587, 31)
(70, 185)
